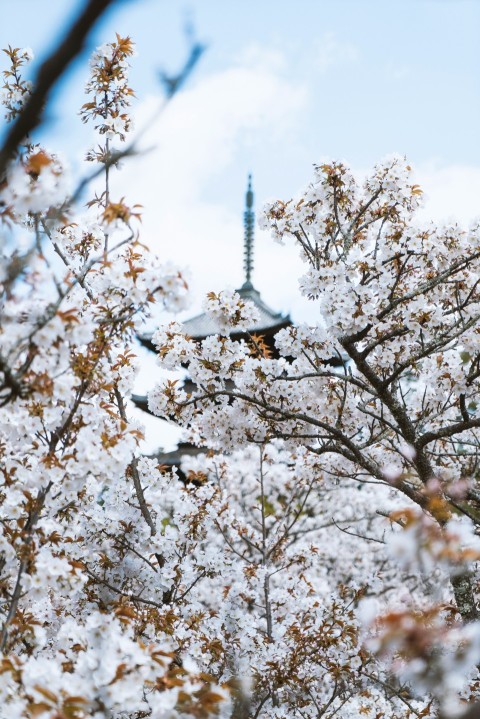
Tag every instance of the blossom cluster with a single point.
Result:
(38, 183)
(109, 89)
(230, 311)
(15, 90)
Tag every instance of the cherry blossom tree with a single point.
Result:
(75, 285)
(319, 560)
(398, 306)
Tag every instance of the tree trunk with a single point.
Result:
(463, 591)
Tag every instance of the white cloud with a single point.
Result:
(451, 192)
(200, 132)
(196, 141)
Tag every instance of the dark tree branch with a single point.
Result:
(48, 75)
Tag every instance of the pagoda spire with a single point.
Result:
(248, 223)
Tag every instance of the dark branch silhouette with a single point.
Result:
(173, 83)
(48, 75)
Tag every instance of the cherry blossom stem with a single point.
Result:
(134, 470)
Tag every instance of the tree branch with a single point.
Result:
(49, 73)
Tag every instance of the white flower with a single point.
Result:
(230, 311)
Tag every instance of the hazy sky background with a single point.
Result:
(283, 85)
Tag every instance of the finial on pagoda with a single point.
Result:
(249, 222)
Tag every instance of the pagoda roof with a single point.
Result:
(175, 457)
(269, 322)
(203, 324)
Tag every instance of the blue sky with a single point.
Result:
(284, 84)
(379, 76)
(402, 74)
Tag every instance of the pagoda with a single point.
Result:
(202, 325)
(269, 322)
